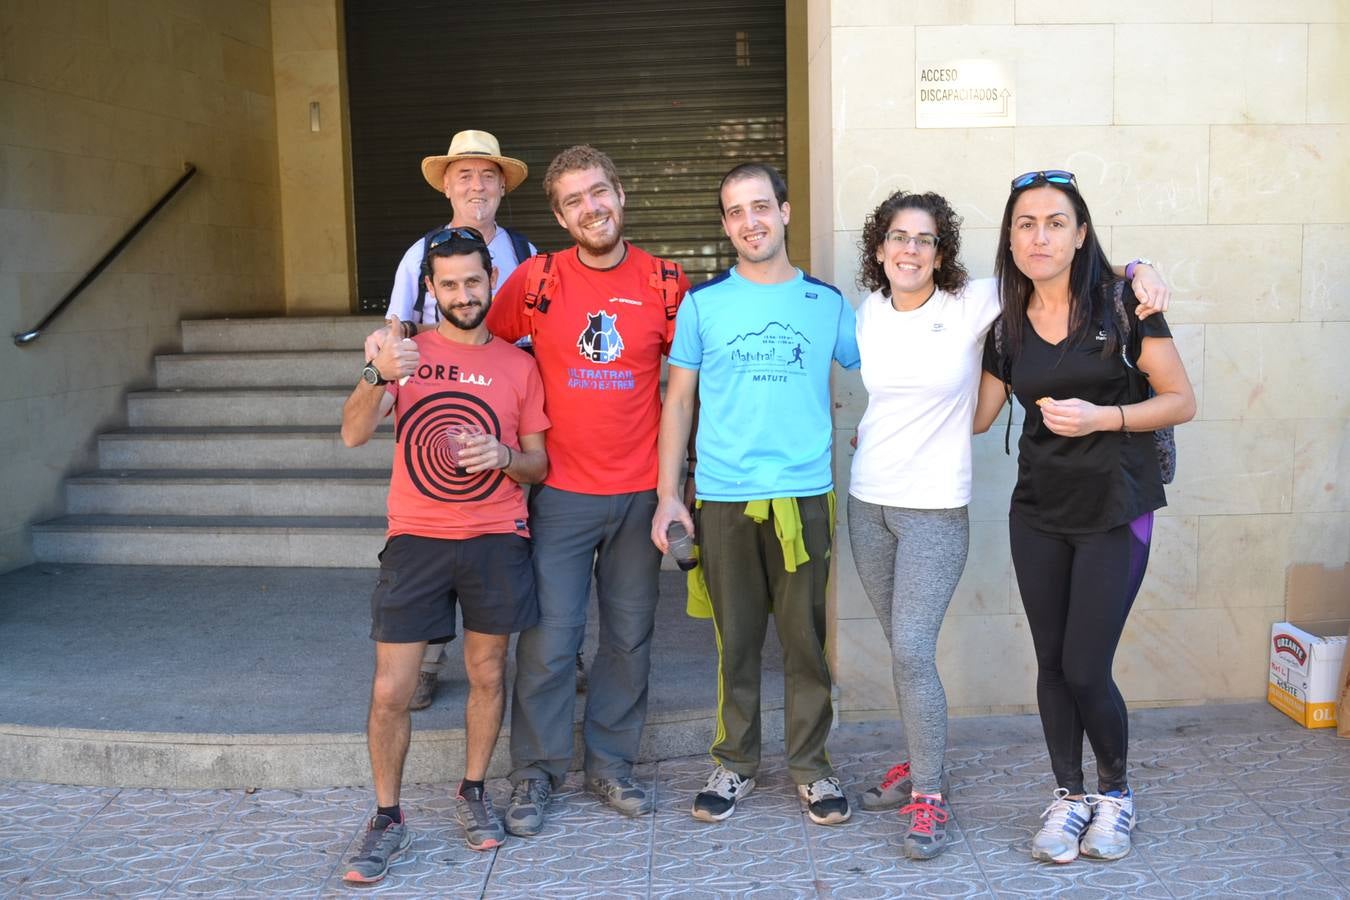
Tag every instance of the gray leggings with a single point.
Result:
(909, 561)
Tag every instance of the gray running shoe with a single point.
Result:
(720, 795)
(482, 829)
(927, 833)
(623, 794)
(825, 801)
(1108, 835)
(525, 811)
(896, 789)
(384, 841)
(427, 682)
(1065, 822)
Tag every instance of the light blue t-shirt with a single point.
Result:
(763, 355)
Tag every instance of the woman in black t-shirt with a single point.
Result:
(1088, 481)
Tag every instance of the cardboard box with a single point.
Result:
(1306, 651)
(1305, 670)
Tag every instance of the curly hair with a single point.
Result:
(951, 277)
(576, 159)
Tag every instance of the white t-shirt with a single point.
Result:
(922, 370)
(407, 280)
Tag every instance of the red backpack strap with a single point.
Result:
(666, 280)
(540, 284)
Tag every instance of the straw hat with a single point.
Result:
(473, 145)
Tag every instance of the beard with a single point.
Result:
(465, 318)
(767, 249)
(599, 245)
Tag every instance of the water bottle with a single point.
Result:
(681, 545)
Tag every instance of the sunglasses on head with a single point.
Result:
(472, 235)
(1053, 176)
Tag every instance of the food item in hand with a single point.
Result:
(1045, 400)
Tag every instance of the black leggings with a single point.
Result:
(1077, 590)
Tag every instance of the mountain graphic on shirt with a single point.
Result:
(773, 328)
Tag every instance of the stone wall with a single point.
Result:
(101, 102)
(1213, 138)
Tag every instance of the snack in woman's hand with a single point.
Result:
(1045, 400)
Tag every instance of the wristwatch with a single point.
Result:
(371, 375)
(1136, 263)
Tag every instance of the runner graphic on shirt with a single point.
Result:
(767, 354)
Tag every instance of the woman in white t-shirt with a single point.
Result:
(921, 333)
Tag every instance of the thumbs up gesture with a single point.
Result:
(397, 357)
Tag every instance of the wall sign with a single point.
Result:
(964, 93)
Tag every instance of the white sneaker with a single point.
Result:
(1108, 835)
(1065, 822)
(825, 801)
(718, 798)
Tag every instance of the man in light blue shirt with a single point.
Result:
(753, 349)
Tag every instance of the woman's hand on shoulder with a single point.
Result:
(1151, 291)
(1077, 418)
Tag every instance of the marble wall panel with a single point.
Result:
(1233, 468)
(1328, 73)
(1242, 560)
(1296, 11)
(1238, 74)
(1326, 274)
(1279, 174)
(1168, 654)
(1109, 12)
(872, 81)
(1322, 465)
(1293, 371)
(1143, 175)
(1062, 73)
(1222, 273)
(865, 13)
(1171, 579)
(987, 661)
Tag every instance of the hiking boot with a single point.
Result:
(427, 682)
(482, 829)
(583, 681)
(896, 789)
(525, 811)
(825, 801)
(718, 798)
(384, 841)
(1065, 822)
(1108, 834)
(623, 794)
(927, 833)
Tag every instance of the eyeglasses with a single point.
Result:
(472, 235)
(1054, 176)
(920, 241)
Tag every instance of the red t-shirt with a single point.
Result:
(494, 386)
(599, 349)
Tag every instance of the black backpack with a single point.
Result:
(1164, 439)
(520, 245)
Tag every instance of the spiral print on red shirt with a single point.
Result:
(421, 432)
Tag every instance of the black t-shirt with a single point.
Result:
(1075, 485)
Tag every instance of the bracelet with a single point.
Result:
(409, 329)
(1122, 416)
(509, 457)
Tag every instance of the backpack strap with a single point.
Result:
(520, 245)
(541, 281)
(1005, 375)
(665, 279)
(423, 274)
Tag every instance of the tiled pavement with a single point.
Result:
(1260, 808)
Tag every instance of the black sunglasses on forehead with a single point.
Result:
(1053, 176)
(472, 235)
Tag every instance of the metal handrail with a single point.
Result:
(27, 337)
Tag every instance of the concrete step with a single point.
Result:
(264, 447)
(229, 492)
(240, 407)
(295, 541)
(270, 369)
(278, 334)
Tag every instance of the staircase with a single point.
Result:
(234, 459)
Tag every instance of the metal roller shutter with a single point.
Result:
(675, 92)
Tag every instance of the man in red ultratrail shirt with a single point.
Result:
(599, 335)
(469, 432)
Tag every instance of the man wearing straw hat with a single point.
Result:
(474, 176)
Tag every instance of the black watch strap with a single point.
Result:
(371, 370)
